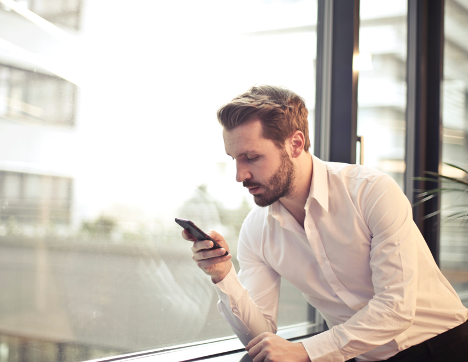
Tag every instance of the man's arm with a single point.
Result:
(252, 319)
(250, 305)
(394, 265)
(248, 317)
(243, 313)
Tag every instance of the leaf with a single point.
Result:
(447, 208)
(440, 189)
(425, 179)
(457, 180)
(438, 178)
(423, 200)
(454, 166)
(457, 215)
(431, 214)
(453, 206)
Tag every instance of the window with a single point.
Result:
(382, 85)
(28, 96)
(61, 12)
(453, 241)
(110, 274)
(91, 261)
(34, 200)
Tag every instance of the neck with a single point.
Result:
(296, 201)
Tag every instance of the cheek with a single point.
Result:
(262, 174)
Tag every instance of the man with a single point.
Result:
(342, 234)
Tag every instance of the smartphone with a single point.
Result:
(197, 233)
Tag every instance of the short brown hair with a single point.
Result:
(281, 111)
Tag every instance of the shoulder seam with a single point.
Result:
(371, 179)
(371, 182)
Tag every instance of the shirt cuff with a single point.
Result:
(230, 289)
(322, 348)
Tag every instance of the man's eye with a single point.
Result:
(252, 158)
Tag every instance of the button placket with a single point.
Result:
(317, 247)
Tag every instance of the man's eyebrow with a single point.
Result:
(241, 154)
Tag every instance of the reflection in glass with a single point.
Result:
(454, 240)
(30, 96)
(382, 85)
(109, 132)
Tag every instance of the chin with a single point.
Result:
(260, 201)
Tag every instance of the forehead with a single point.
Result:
(247, 137)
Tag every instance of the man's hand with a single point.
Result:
(212, 262)
(269, 347)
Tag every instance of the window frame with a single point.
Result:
(423, 150)
(217, 347)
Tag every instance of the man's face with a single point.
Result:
(265, 170)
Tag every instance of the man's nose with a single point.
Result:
(242, 172)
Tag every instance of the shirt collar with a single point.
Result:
(319, 184)
(274, 212)
(318, 191)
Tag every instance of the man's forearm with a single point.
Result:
(243, 315)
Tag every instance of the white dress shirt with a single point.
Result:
(360, 260)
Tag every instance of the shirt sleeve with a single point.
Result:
(249, 303)
(393, 262)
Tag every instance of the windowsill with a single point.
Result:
(213, 348)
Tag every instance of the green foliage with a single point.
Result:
(445, 184)
(12, 226)
(101, 226)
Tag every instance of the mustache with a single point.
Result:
(248, 183)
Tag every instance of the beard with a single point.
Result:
(279, 185)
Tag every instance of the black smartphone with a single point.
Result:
(197, 233)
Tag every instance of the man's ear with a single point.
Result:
(297, 143)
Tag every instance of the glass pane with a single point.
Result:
(27, 96)
(454, 230)
(91, 261)
(11, 186)
(60, 12)
(382, 85)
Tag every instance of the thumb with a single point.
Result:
(219, 238)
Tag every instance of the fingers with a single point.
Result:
(256, 347)
(219, 239)
(207, 254)
(261, 356)
(202, 245)
(256, 352)
(254, 341)
(213, 262)
(205, 264)
(215, 235)
(187, 236)
(206, 244)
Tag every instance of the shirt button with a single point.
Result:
(309, 226)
